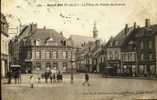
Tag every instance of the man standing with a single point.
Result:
(31, 81)
(51, 77)
(86, 79)
(9, 77)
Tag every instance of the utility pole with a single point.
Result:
(72, 74)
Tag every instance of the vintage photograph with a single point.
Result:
(78, 49)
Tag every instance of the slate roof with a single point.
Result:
(78, 40)
(119, 38)
(45, 34)
(41, 34)
(122, 37)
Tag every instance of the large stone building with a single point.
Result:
(41, 48)
(132, 51)
(89, 52)
(80, 43)
(95, 57)
(4, 46)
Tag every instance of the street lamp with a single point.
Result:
(72, 74)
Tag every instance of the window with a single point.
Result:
(55, 65)
(54, 54)
(110, 55)
(152, 69)
(57, 54)
(64, 55)
(141, 45)
(64, 66)
(37, 42)
(133, 56)
(29, 55)
(48, 54)
(73, 55)
(150, 44)
(101, 60)
(142, 57)
(38, 54)
(69, 54)
(150, 56)
(141, 69)
(48, 65)
(33, 54)
(38, 65)
(116, 55)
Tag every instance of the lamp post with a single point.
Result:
(72, 74)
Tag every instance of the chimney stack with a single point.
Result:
(33, 26)
(135, 26)
(61, 33)
(97, 42)
(44, 27)
(147, 22)
(126, 28)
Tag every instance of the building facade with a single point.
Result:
(41, 49)
(138, 51)
(4, 46)
(132, 51)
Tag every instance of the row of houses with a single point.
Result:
(39, 49)
(132, 52)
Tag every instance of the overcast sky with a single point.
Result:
(78, 19)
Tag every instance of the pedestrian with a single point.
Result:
(54, 77)
(46, 77)
(9, 77)
(31, 81)
(86, 80)
(51, 77)
(39, 79)
(19, 76)
(15, 76)
(72, 77)
(59, 77)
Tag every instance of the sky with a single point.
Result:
(80, 18)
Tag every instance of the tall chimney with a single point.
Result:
(147, 22)
(97, 42)
(126, 28)
(61, 33)
(135, 26)
(33, 26)
(44, 27)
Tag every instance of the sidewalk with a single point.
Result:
(126, 77)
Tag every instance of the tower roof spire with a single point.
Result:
(95, 31)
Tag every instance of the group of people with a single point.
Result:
(54, 77)
(16, 75)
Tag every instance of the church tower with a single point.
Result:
(95, 31)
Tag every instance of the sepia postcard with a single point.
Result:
(78, 50)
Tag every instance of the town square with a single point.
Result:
(88, 52)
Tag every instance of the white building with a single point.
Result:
(4, 46)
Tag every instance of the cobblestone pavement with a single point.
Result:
(99, 89)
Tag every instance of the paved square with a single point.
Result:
(100, 89)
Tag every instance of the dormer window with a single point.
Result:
(51, 42)
(36, 42)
